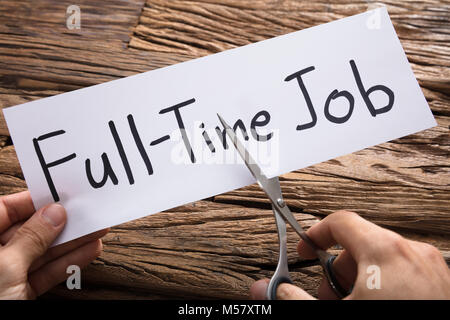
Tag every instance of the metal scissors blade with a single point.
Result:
(245, 155)
(270, 186)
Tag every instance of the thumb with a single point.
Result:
(258, 290)
(286, 291)
(36, 235)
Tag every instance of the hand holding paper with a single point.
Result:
(28, 267)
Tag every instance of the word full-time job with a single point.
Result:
(261, 119)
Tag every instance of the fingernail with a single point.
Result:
(55, 214)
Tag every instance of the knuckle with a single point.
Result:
(431, 252)
(387, 244)
(34, 237)
(398, 244)
(10, 210)
(343, 214)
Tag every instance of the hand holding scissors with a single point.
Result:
(282, 215)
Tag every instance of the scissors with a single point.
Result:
(282, 213)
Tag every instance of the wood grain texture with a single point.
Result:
(217, 247)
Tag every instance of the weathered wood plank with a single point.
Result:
(203, 27)
(216, 249)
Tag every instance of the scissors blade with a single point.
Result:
(270, 186)
(245, 155)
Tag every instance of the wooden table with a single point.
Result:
(216, 248)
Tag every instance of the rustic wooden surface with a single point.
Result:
(215, 248)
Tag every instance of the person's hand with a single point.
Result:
(408, 269)
(28, 268)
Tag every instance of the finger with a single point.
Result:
(428, 253)
(324, 292)
(286, 291)
(14, 208)
(258, 290)
(346, 270)
(35, 236)
(64, 248)
(54, 272)
(7, 235)
(305, 251)
(346, 228)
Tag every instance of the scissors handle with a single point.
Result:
(281, 274)
(326, 260)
